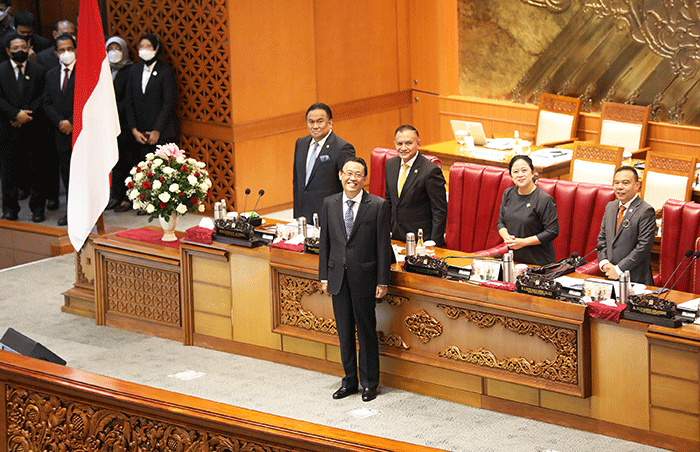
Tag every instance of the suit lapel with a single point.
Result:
(629, 212)
(325, 150)
(364, 206)
(411, 176)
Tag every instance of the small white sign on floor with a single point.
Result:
(362, 413)
(187, 375)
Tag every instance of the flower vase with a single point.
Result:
(168, 228)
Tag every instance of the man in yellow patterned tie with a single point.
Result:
(415, 190)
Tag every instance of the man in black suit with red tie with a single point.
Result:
(58, 105)
(317, 160)
(354, 261)
(415, 190)
(21, 86)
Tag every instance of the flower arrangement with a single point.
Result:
(167, 183)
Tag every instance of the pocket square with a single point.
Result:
(324, 158)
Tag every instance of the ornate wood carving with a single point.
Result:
(564, 368)
(553, 6)
(143, 292)
(668, 163)
(393, 300)
(42, 422)
(655, 107)
(292, 288)
(617, 112)
(82, 258)
(218, 155)
(596, 153)
(424, 326)
(586, 97)
(675, 114)
(392, 340)
(669, 29)
(632, 99)
(559, 105)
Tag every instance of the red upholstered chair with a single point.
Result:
(681, 229)
(378, 159)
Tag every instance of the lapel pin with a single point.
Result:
(415, 171)
(27, 77)
(528, 205)
(155, 73)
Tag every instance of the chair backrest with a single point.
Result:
(624, 125)
(595, 163)
(667, 176)
(377, 175)
(557, 119)
(680, 232)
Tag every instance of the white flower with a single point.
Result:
(156, 184)
(157, 162)
(150, 156)
(180, 160)
(181, 209)
(133, 194)
(138, 177)
(165, 196)
(137, 205)
(168, 170)
(200, 165)
(133, 171)
(191, 161)
(201, 207)
(128, 180)
(192, 180)
(150, 208)
(175, 188)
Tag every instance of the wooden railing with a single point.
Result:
(51, 407)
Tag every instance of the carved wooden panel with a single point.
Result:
(561, 104)
(219, 157)
(143, 292)
(564, 368)
(669, 164)
(43, 422)
(292, 313)
(195, 39)
(597, 153)
(626, 113)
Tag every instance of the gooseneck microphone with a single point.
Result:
(688, 253)
(260, 193)
(245, 204)
(579, 261)
(695, 256)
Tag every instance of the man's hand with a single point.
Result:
(610, 271)
(65, 126)
(153, 137)
(381, 291)
(23, 117)
(140, 138)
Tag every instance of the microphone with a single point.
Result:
(695, 256)
(579, 261)
(260, 193)
(688, 253)
(245, 204)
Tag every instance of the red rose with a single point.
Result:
(163, 205)
(149, 174)
(130, 185)
(162, 179)
(195, 200)
(146, 185)
(149, 164)
(138, 169)
(197, 174)
(142, 196)
(184, 169)
(181, 194)
(170, 159)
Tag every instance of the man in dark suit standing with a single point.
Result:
(318, 158)
(415, 190)
(58, 105)
(354, 261)
(21, 86)
(47, 57)
(627, 231)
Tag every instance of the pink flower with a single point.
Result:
(168, 150)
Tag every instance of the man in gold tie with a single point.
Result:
(415, 190)
(627, 231)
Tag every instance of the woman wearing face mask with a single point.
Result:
(151, 97)
(119, 62)
(528, 220)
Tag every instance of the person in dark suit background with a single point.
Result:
(21, 87)
(58, 105)
(47, 57)
(422, 201)
(627, 242)
(119, 62)
(24, 25)
(354, 260)
(318, 158)
(7, 20)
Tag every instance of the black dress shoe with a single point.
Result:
(112, 204)
(52, 204)
(123, 206)
(344, 392)
(22, 194)
(12, 216)
(63, 221)
(38, 217)
(369, 394)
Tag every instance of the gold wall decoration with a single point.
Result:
(555, 6)
(392, 340)
(292, 288)
(143, 292)
(424, 326)
(563, 368)
(44, 422)
(393, 300)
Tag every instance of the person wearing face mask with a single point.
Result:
(151, 98)
(47, 57)
(58, 105)
(21, 86)
(119, 62)
(24, 25)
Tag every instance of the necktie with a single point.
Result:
(349, 220)
(620, 214)
(20, 78)
(66, 71)
(402, 176)
(312, 160)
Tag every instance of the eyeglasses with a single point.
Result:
(357, 174)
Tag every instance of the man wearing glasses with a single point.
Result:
(354, 260)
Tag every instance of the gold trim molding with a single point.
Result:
(424, 326)
(292, 313)
(564, 368)
(553, 6)
(392, 340)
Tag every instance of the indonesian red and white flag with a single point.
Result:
(95, 128)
